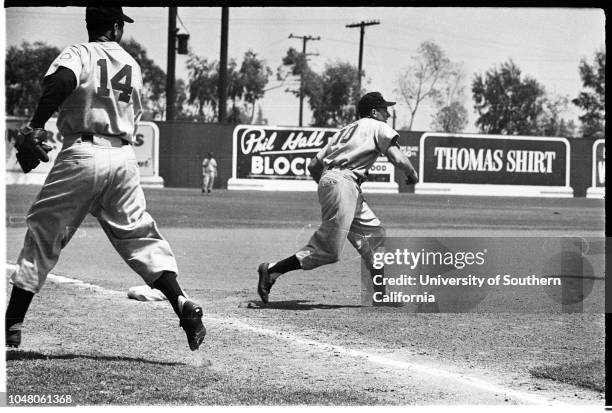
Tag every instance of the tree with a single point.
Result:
(424, 78)
(260, 120)
(253, 76)
(451, 116)
(296, 64)
(244, 87)
(182, 107)
(593, 99)
(507, 103)
(330, 94)
(25, 67)
(235, 92)
(153, 79)
(203, 84)
(550, 122)
(332, 101)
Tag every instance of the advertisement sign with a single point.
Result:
(494, 165)
(276, 159)
(146, 147)
(598, 185)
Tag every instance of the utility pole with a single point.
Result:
(170, 77)
(305, 39)
(362, 26)
(223, 65)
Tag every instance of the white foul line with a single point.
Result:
(372, 357)
(397, 364)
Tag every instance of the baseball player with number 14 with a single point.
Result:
(339, 169)
(97, 86)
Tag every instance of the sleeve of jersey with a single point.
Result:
(69, 58)
(137, 95)
(385, 137)
(322, 154)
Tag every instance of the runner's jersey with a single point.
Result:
(356, 146)
(106, 100)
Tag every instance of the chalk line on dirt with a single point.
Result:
(238, 324)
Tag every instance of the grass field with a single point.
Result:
(314, 344)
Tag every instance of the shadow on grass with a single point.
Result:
(15, 355)
(588, 374)
(301, 305)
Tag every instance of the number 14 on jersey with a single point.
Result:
(122, 81)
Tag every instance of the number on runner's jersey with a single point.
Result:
(117, 81)
(346, 134)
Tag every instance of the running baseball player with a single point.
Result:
(339, 169)
(97, 86)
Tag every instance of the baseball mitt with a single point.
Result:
(412, 179)
(31, 147)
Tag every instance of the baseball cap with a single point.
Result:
(371, 101)
(105, 14)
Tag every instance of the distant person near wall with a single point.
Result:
(209, 173)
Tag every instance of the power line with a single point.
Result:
(305, 39)
(182, 24)
(362, 25)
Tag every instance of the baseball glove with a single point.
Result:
(412, 179)
(31, 147)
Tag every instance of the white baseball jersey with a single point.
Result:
(209, 166)
(356, 146)
(106, 100)
(92, 177)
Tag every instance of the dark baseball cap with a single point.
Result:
(105, 14)
(371, 101)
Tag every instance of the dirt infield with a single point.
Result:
(314, 344)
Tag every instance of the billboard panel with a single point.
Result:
(146, 147)
(598, 185)
(494, 165)
(276, 159)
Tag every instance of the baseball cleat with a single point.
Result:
(13, 335)
(265, 283)
(191, 321)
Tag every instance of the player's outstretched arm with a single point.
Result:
(316, 169)
(31, 139)
(397, 158)
(56, 88)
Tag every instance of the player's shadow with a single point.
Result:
(303, 305)
(16, 355)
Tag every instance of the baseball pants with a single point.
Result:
(208, 181)
(101, 178)
(345, 214)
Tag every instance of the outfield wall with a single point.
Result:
(182, 146)
(146, 148)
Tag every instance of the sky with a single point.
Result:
(546, 43)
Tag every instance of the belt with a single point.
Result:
(358, 179)
(111, 139)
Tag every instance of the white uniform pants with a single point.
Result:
(101, 178)
(345, 214)
(208, 181)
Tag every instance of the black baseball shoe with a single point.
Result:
(265, 282)
(191, 321)
(13, 335)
